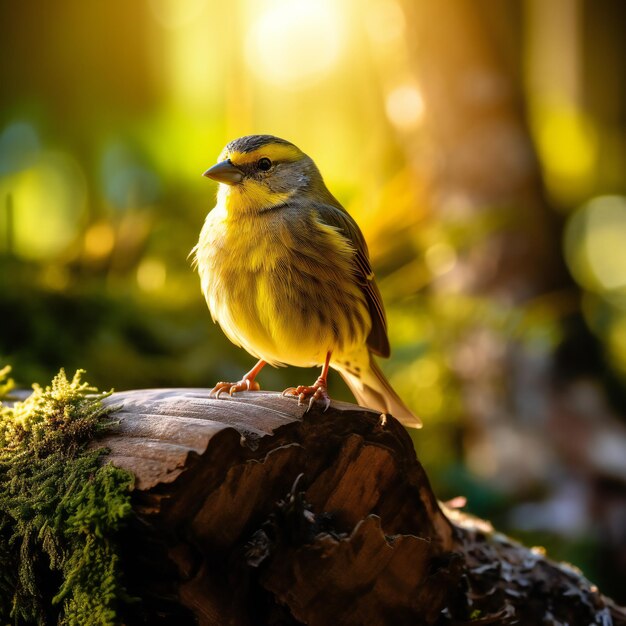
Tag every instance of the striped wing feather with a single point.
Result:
(339, 218)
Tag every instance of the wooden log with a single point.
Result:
(250, 511)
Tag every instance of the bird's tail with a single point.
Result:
(371, 389)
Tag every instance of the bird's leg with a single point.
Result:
(318, 391)
(247, 383)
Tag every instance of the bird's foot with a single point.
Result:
(245, 384)
(315, 393)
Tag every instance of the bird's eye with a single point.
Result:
(264, 164)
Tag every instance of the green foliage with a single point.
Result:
(60, 508)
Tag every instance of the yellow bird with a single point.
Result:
(286, 273)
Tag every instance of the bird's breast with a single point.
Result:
(282, 286)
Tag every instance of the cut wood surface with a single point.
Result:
(250, 511)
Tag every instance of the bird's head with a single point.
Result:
(259, 172)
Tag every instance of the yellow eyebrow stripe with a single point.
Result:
(273, 151)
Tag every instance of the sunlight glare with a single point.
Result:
(295, 42)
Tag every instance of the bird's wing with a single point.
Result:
(339, 218)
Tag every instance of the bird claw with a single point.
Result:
(245, 384)
(315, 393)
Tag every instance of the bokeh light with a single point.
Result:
(568, 146)
(19, 147)
(151, 274)
(595, 243)
(48, 202)
(440, 258)
(405, 106)
(99, 240)
(126, 181)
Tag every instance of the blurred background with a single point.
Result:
(480, 145)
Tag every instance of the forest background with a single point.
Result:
(480, 145)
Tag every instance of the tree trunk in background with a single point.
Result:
(533, 379)
(485, 181)
(486, 167)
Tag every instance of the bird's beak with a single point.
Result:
(225, 172)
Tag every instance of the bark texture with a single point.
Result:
(248, 511)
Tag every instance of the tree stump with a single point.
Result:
(247, 511)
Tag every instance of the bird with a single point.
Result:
(285, 272)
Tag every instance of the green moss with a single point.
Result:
(6, 383)
(60, 508)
